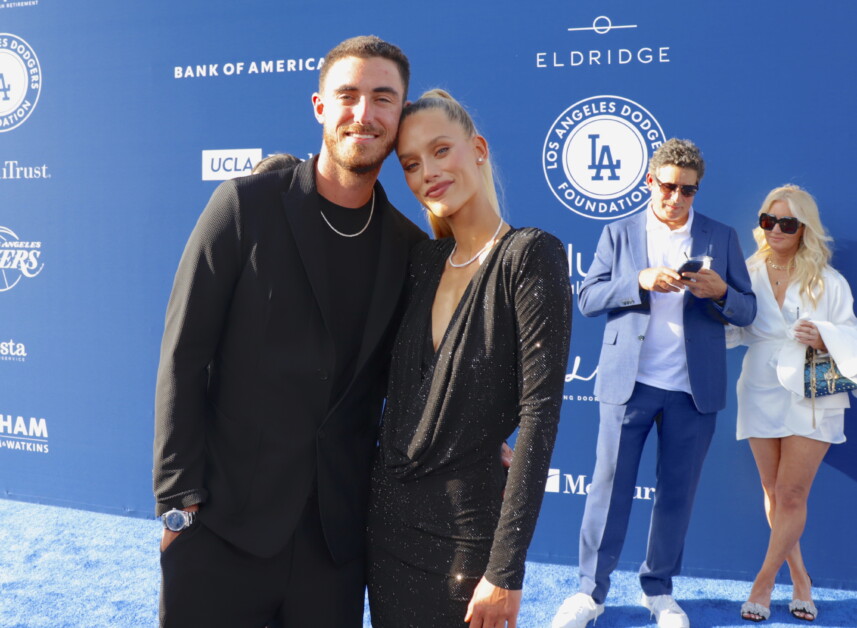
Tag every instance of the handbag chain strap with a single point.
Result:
(812, 380)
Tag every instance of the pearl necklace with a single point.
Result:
(351, 235)
(478, 253)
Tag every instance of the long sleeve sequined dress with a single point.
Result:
(437, 506)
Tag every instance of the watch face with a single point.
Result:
(175, 520)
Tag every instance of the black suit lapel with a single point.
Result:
(389, 279)
(300, 204)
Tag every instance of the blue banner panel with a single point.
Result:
(118, 120)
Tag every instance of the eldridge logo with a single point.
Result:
(603, 55)
(20, 81)
(596, 155)
(220, 165)
(17, 259)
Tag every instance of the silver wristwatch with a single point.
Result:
(177, 520)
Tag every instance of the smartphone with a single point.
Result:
(690, 266)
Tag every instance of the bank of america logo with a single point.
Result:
(596, 155)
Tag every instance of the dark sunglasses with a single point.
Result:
(668, 188)
(788, 224)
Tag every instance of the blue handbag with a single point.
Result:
(822, 378)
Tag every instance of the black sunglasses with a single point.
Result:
(788, 224)
(668, 188)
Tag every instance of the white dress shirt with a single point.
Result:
(663, 359)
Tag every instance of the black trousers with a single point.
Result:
(209, 582)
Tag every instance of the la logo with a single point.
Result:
(603, 160)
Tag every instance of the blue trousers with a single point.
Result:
(684, 435)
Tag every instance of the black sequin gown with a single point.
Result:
(438, 517)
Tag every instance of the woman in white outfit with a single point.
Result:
(802, 302)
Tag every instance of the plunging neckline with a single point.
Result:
(464, 295)
(774, 295)
(771, 285)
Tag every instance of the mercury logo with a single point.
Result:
(20, 81)
(17, 259)
(570, 484)
(596, 155)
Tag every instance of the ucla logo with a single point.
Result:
(20, 81)
(596, 156)
(220, 165)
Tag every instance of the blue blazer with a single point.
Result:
(611, 287)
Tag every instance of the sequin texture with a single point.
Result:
(438, 503)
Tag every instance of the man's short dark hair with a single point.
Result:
(680, 153)
(367, 47)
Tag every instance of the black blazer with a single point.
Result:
(244, 422)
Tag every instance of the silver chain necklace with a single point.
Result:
(478, 253)
(790, 266)
(352, 235)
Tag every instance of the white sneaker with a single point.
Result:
(577, 611)
(666, 611)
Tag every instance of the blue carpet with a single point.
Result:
(61, 567)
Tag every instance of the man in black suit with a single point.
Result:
(271, 381)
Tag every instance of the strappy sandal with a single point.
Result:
(802, 606)
(751, 608)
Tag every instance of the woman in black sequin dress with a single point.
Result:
(482, 350)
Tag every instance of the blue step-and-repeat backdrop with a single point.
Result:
(117, 120)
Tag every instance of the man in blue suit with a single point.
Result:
(663, 364)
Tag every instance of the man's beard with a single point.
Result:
(355, 158)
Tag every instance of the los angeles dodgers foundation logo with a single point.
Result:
(20, 81)
(596, 155)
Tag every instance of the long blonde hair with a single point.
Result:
(813, 253)
(440, 99)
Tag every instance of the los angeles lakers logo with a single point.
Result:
(20, 81)
(17, 259)
(596, 155)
